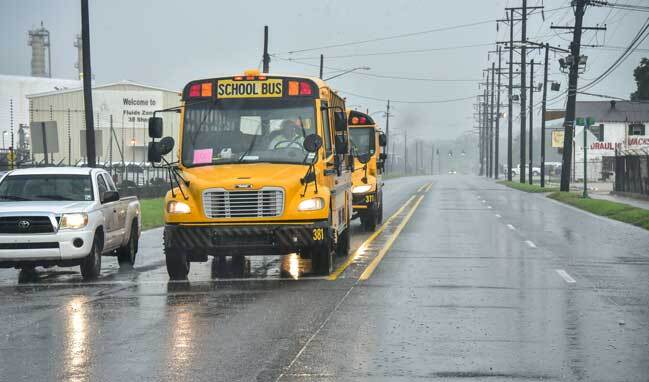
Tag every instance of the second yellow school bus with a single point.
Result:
(367, 145)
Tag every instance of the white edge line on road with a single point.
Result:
(511, 227)
(565, 276)
(498, 216)
(489, 207)
(530, 243)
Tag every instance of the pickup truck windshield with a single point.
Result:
(46, 187)
(244, 131)
(362, 140)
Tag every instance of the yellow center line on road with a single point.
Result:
(423, 186)
(375, 262)
(366, 243)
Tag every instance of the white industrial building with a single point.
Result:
(121, 112)
(14, 105)
(620, 128)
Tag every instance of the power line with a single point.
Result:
(376, 75)
(408, 101)
(392, 52)
(403, 35)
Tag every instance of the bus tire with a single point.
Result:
(322, 259)
(369, 220)
(177, 261)
(344, 242)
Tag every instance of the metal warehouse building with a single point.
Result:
(57, 123)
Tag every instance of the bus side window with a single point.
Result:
(326, 129)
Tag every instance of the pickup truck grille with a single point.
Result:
(266, 202)
(25, 224)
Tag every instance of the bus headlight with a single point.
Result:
(73, 221)
(311, 204)
(175, 207)
(361, 189)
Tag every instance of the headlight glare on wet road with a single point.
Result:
(74, 221)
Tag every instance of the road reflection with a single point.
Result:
(77, 347)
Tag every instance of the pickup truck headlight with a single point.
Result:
(73, 221)
(311, 204)
(175, 207)
(361, 189)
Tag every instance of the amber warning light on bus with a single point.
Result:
(299, 88)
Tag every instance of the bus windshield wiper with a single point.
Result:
(252, 144)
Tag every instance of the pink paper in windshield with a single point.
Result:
(202, 156)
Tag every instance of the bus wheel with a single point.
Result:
(322, 259)
(239, 266)
(344, 241)
(369, 220)
(177, 262)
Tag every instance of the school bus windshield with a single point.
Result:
(362, 140)
(244, 131)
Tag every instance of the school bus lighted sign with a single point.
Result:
(269, 88)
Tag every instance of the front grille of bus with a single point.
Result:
(263, 203)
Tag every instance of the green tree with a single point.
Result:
(641, 74)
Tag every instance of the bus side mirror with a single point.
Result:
(340, 121)
(363, 158)
(157, 150)
(341, 144)
(312, 143)
(383, 140)
(155, 127)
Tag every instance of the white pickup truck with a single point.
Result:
(65, 216)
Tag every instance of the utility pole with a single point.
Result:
(497, 139)
(531, 134)
(510, 106)
(405, 151)
(491, 121)
(543, 110)
(432, 160)
(480, 137)
(485, 128)
(573, 77)
(523, 91)
(87, 85)
(321, 65)
(387, 131)
(266, 56)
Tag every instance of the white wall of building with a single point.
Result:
(130, 106)
(14, 91)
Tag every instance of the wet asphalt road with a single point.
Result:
(482, 283)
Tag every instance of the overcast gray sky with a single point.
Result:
(168, 43)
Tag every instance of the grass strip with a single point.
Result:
(612, 210)
(528, 187)
(152, 212)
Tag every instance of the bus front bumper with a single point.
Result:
(248, 240)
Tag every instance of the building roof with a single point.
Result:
(124, 82)
(614, 111)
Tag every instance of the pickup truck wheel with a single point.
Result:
(26, 274)
(322, 259)
(126, 254)
(91, 265)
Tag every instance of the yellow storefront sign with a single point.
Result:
(557, 138)
(249, 89)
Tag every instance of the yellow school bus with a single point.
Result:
(264, 168)
(367, 147)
